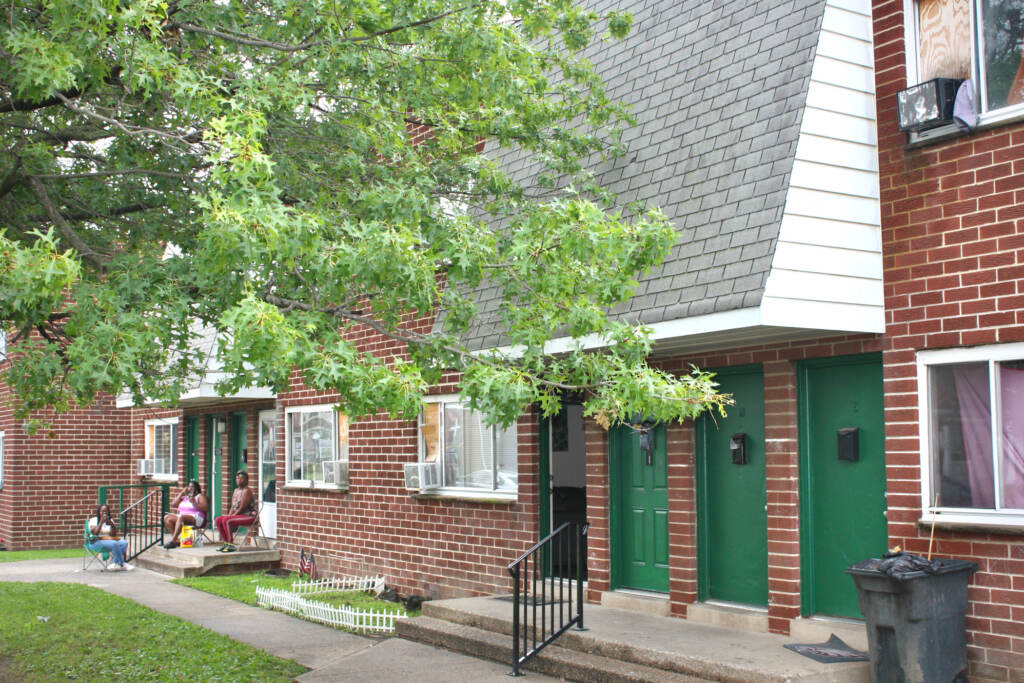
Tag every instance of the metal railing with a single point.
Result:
(141, 520)
(540, 615)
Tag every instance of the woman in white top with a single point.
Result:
(104, 528)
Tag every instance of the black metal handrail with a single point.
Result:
(142, 523)
(538, 618)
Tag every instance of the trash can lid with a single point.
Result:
(902, 566)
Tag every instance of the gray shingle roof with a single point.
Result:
(718, 90)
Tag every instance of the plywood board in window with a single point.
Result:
(945, 39)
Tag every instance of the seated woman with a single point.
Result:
(191, 509)
(242, 513)
(104, 528)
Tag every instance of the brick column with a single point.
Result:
(598, 549)
(682, 518)
(782, 474)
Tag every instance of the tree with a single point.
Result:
(286, 170)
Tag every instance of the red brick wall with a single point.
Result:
(953, 246)
(431, 546)
(51, 477)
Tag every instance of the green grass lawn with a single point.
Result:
(19, 555)
(242, 587)
(90, 635)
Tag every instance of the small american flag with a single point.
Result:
(311, 567)
(304, 564)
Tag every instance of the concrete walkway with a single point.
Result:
(330, 654)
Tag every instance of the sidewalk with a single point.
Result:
(330, 654)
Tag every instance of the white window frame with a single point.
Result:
(339, 450)
(3, 445)
(927, 359)
(150, 443)
(3, 343)
(911, 30)
(457, 491)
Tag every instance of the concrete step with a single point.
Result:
(202, 560)
(666, 644)
(552, 661)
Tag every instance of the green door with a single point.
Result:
(214, 464)
(191, 448)
(640, 510)
(842, 477)
(732, 523)
(239, 451)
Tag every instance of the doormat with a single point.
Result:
(534, 600)
(835, 650)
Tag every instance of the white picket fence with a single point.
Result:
(321, 612)
(340, 584)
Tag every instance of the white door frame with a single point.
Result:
(268, 518)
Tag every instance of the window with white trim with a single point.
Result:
(3, 343)
(470, 455)
(161, 440)
(2, 444)
(316, 441)
(975, 39)
(972, 433)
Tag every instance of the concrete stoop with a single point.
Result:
(187, 562)
(557, 661)
(621, 645)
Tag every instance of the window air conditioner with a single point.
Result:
(149, 467)
(336, 472)
(422, 476)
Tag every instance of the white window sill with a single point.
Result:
(468, 495)
(161, 478)
(308, 485)
(995, 522)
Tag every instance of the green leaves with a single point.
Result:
(285, 177)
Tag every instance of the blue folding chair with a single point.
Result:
(90, 556)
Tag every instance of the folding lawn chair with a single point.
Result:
(90, 556)
(252, 533)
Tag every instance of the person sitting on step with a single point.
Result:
(242, 512)
(191, 509)
(104, 529)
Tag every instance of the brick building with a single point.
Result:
(953, 244)
(851, 289)
(48, 479)
(756, 135)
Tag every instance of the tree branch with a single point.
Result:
(105, 174)
(409, 337)
(242, 39)
(25, 105)
(111, 213)
(12, 178)
(63, 227)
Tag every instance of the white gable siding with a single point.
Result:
(827, 268)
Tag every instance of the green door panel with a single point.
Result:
(238, 444)
(732, 520)
(639, 510)
(842, 502)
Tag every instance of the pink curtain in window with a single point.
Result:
(976, 419)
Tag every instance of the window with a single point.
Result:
(3, 343)
(161, 440)
(972, 433)
(469, 454)
(2, 444)
(317, 444)
(976, 39)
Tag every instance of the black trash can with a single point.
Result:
(915, 620)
